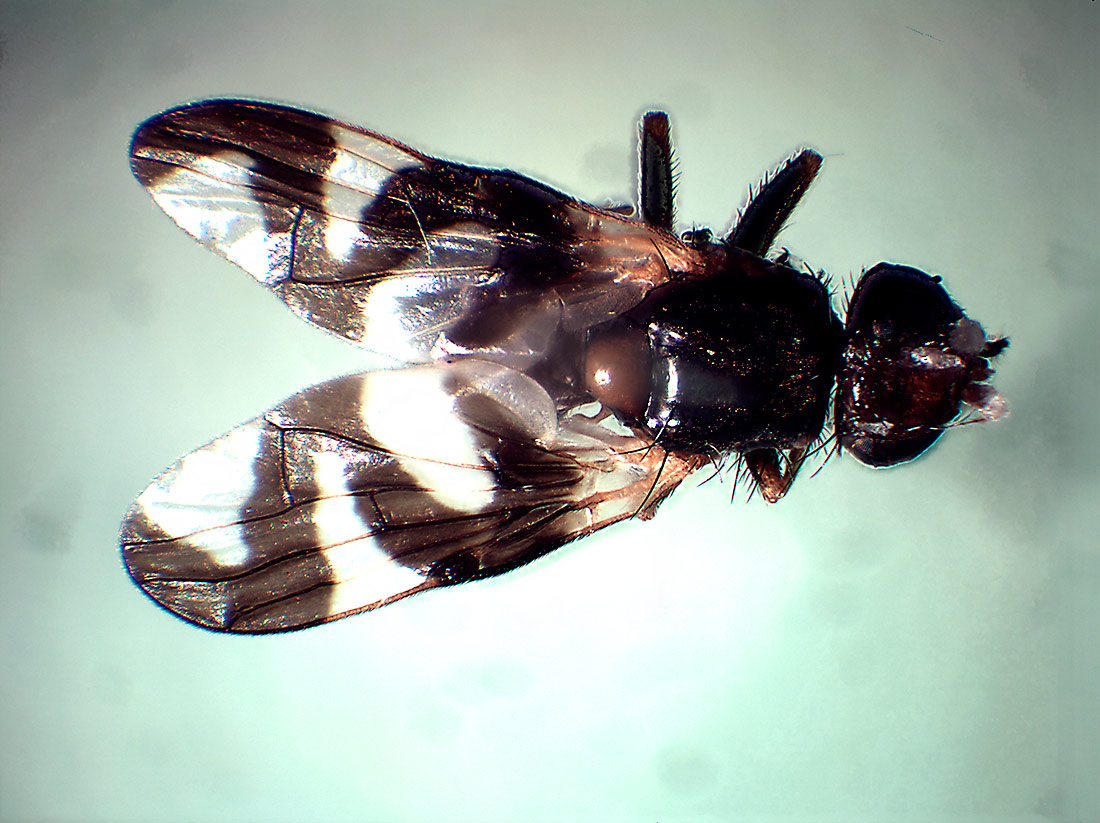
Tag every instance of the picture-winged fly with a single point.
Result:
(566, 366)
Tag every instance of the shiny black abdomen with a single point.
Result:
(741, 359)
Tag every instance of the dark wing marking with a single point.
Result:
(361, 491)
(403, 254)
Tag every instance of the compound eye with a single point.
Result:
(902, 302)
(617, 369)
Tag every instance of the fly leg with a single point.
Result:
(754, 232)
(773, 203)
(656, 182)
(774, 476)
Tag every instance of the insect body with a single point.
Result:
(568, 366)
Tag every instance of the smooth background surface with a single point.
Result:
(918, 644)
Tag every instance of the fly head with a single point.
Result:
(911, 361)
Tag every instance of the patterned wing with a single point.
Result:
(366, 489)
(403, 254)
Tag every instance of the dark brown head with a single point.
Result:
(912, 360)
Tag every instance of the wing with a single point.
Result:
(398, 252)
(369, 488)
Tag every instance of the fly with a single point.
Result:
(566, 366)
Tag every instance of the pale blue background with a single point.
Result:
(918, 645)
